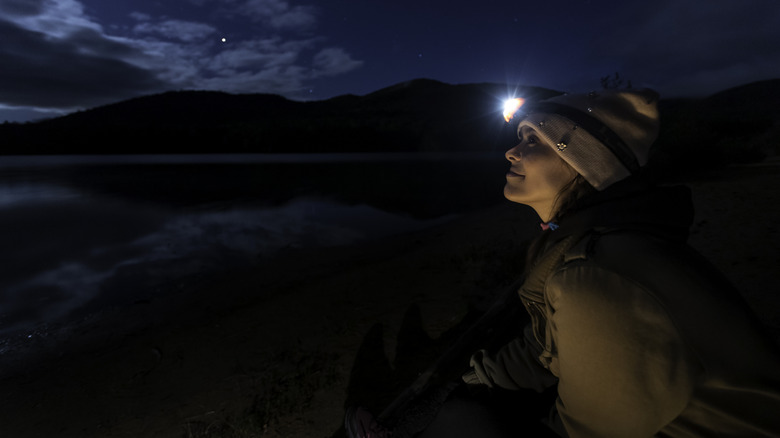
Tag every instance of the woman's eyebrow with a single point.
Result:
(525, 130)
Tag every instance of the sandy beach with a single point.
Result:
(270, 351)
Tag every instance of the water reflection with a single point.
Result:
(15, 193)
(71, 253)
(84, 233)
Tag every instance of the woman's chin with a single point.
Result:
(512, 196)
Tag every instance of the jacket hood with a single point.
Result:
(633, 205)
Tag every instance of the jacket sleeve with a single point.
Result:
(623, 368)
(516, 365)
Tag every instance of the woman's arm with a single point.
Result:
(515, 366)
(623, 368)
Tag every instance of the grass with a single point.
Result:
(287, 388)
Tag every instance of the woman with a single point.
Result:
(641, 335)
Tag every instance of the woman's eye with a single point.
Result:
(530, 139)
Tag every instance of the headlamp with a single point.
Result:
(511, 106)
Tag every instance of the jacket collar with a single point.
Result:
(632, 205)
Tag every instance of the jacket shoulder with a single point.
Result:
(622, 249)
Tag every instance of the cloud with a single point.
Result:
(259, 54)
(68, 72)
(60, 57)
(24, 114)
(274, 64)
(173, 62)
(19, 8)
(257, 66)
(57, 18)
(185, 31)
(140, 16)
(284, 80)
(333, 61)
(280, 14)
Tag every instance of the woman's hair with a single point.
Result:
(566, 201)
(569, 194)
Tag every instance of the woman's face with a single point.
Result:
(537, 174)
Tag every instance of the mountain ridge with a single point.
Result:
(419, 115)
(404, 117)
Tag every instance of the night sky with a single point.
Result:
(58, 56)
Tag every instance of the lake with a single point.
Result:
(82, 233)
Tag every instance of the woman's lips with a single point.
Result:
(511, 174)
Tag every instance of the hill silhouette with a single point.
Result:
(420, 115)
(735, 125)
(738, 125)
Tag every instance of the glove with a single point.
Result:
(474, 386)
(471, 378)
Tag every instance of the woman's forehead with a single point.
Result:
(525, 129)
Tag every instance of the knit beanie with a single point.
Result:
(605, 136)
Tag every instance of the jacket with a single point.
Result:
(642, 335)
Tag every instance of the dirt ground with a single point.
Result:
(270, 351)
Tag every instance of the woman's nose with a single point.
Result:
(514, 154)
